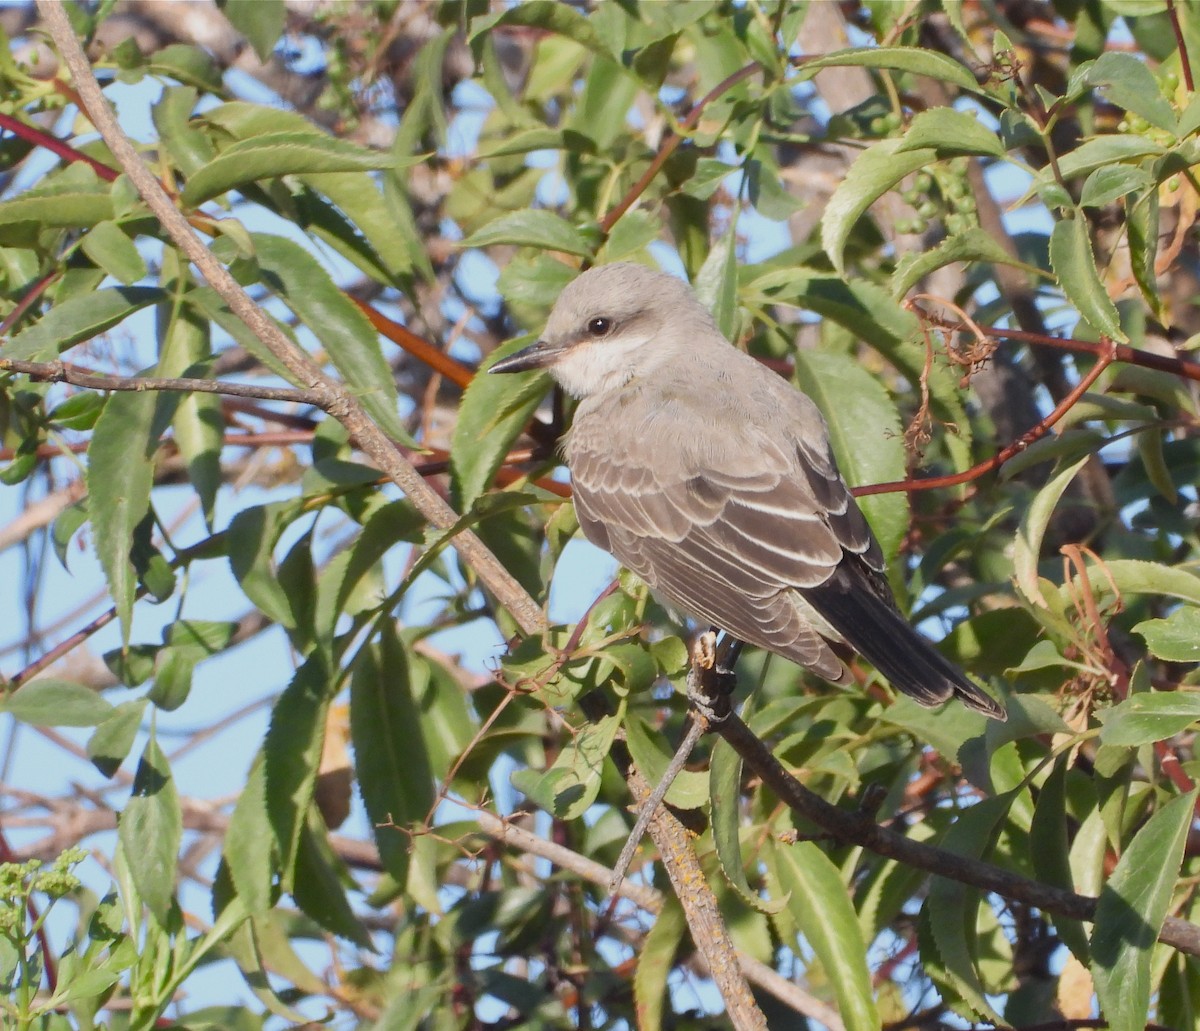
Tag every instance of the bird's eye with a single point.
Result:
(599, 326)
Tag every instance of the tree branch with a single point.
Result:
(858, 828)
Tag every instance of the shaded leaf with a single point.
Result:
(864, 429)
(390, 759)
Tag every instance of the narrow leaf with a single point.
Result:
(820, 904)
(534, 228)
(292, 755)
(493, 412)
(1027, 547)
(279, 153)
(305, 287)
(120, 475)
(151, 830)
(78, 319)
(390, 760)
(865, 431)
(1075, 265)
(900, 59)
(1133, 904)
(874, 172)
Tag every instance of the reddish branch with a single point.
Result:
(1015, 448)
(1185, 62)
(40, 138)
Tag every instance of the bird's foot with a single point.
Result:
(709, 683)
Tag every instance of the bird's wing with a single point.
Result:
(729, 545)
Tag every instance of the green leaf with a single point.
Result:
(252, 536)
(1106, 184)
(973, 245)
(67, 209)
(276, 154)
(951, 132)
(820, 905)
(78, 319)
(260, 21)
(1103, 151)
(1073, 262)
(390, 759)
(952, 908)
(1127, 82)
(114, 736)
(533, 228)
(1049, 854)
(493, 412)
(716, 283)
(1132, 576)
(655, 961)
(1143, 718)
(875, 171)
(151, 830)
(189, 65)
(292, 755)
(865, 431)
(570, 786)
(1027, 548)
(725, 778)
(293, 274)
(56, 703)
(1133, 904)
(549, 15)
(120, 475)
(1176, 638)
(319, 888)
(250, 851)
(900, 59)
(113, 251)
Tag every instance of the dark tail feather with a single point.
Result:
(875, 629)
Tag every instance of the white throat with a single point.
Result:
(596, 366)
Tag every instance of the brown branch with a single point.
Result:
(858, 828)
(998, 459)
(332, 397)
(651, 900)
(62, 372)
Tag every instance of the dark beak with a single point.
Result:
(535, 356)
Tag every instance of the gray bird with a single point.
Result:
(712, 479)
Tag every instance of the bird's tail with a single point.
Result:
(875, 629)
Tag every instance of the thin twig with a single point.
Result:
(1185, 62)
(63, 372)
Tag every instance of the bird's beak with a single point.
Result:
(535, 356)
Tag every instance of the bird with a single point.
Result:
(712, 479)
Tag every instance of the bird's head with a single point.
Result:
(611, 324)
